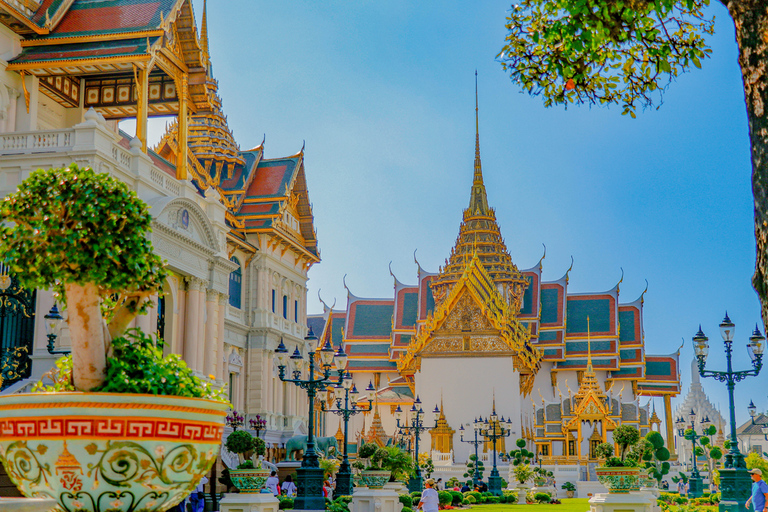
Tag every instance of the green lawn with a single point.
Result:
(568, 505)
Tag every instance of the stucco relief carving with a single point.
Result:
(467, 345)
(466, 316)
(165, 248)
(235, 359)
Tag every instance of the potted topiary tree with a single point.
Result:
(374, 475)
(122, 428)
(521, 469)
(570, 489)
(619, 474)
(656, 457)
(248, 477)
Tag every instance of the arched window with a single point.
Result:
(285, 307)
(235, 284)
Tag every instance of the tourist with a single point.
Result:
(759, 492)
(465, 488)
(273, 483)
(288, 487)
(327, 490)
(197, 498)
(483, 486)
(440, 485)
(430, 501)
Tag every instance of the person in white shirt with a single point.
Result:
(429, 501)
(273, 483)
(288, 488)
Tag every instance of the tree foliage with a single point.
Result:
(603, 51)
(74, 225)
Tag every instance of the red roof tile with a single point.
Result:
(108, 18)
(267, 180)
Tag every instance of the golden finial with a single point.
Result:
(204, 32)
(589, 350)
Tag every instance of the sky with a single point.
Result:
(382, 93)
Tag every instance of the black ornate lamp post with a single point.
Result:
(752, 413)
(309, 478)
(494, 430)
(416, 483)
(343, 392)
(234, 419)
(53, 323)
(735, 482)
(696, 483)
(476, 443)
(258, 424)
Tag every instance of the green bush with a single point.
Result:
(471, 499)
(406, 500)
(285, 502)
(475, 495)
(416, 495)
(541, 497)
(407, 509)
(239, 441)
(444, 497)
(457, 497)
(492, 499)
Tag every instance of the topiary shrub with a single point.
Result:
(416, 495)
(406, 500)
(476, 495)
(285, 503)
(84, 235)
(407, 509)
(492, 499)
(541, 497)
(444, 497)
(457, 497)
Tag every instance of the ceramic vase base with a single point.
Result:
(26, 504)
(262, 502)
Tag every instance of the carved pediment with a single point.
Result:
(466, 316)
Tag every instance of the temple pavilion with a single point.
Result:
(479, 333)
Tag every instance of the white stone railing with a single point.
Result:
(36, 142)
(442, 459)
(82, 137)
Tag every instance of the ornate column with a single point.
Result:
(670, 427)
(219, 369)
(181, 159)
(142, 107)
(192, 316)
(179, 318)
(211, 319)
(200, 335)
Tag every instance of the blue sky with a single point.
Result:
(383, 95)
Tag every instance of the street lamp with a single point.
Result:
(344, 390)
(696, 483)
(417, 427)
(752, 409)
(234, 419)
(258, 424)
(309, 477)
(494, 430)
(735, 482)
(476, 443)
(53, 323)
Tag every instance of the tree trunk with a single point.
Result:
(751, 21)
(87, 332)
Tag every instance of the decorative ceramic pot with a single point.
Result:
(570, 494)
(249, 481)
(375, 478)
(99, 452)
(620, 480)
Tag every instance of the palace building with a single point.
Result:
(565, 367)
(235, 227)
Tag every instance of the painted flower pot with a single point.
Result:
(620, 480)
(249, 481)
(99, 452)
(570, 494)
(375, 478)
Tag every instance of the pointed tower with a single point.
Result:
(480, 234)
(442, 434)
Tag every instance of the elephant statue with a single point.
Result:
(323, 446)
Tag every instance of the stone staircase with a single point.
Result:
(7, 489)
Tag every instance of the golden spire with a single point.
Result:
(204, 32)
(480, 236)
(589, 350)
(478, 201)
